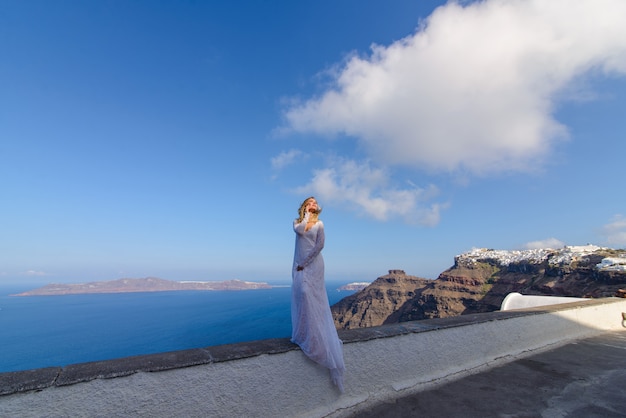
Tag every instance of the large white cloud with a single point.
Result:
(474, 88)
(367, 190)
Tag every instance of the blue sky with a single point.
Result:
(177, 139)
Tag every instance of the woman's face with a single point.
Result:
(311, 205)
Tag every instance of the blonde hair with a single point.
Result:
(302, 209)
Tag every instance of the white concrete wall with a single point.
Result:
(289, 385)
(518, 301)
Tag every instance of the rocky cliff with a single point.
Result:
(378, 301)
(478, 282)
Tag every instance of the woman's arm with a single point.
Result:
(299, 227)
(317, 248)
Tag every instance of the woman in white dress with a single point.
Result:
(312, 323)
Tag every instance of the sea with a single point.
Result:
(51, 331)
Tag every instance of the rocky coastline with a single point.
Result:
(479, 281)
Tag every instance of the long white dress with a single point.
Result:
(312, 323)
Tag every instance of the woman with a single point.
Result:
(312, 323)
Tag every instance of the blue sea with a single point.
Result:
(44, 331)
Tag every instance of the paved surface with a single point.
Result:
(585, 379)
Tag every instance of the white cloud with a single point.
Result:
(473, 89)
(546, 243)
(615, 231)
(285, 159)
(34, 273)
(367, 189)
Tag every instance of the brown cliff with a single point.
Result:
(373, 305)
(480, 280)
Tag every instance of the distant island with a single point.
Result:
(148, 284)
